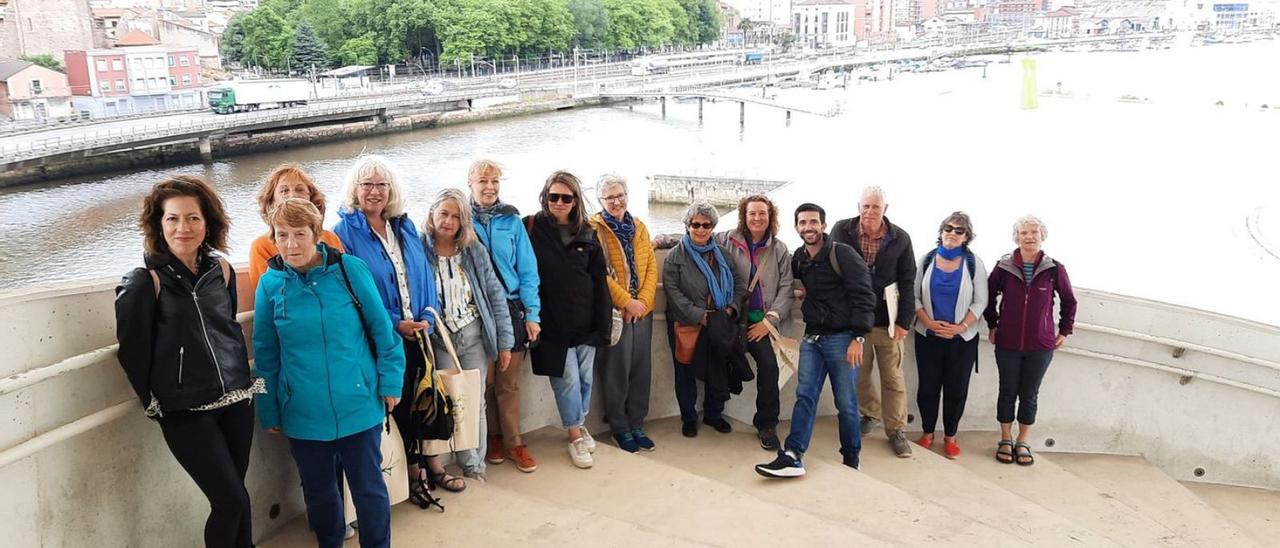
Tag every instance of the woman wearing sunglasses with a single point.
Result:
(700, 281)
(572, 269)
(950, 297)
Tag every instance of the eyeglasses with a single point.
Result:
(375, 186)
(701, 226)
(616, 198)
(553, 197)
(958, 230)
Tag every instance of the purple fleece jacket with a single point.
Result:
(1024, 314)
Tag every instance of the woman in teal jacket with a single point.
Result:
(333, 367)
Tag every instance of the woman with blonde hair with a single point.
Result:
(285, 181)
(374, 227)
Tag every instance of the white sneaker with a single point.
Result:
(350, 533)
(579, 454)
(586, 436)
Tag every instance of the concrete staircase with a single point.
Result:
(703, 491)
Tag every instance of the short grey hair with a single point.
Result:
(1030, 220)
(608, 180)
(704, 208)
(364, 167)
(466, 231)
(872, 191)
(961, 219)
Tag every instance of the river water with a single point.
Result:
(1174, 199)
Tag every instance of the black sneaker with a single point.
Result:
(768, 438)
(722, 426)
(690, 429)
(851, 461)
(785, 466)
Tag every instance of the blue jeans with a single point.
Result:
(825, 356)
(573, 389)
(360, 455)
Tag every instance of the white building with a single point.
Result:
(825, 23)
(777, 12)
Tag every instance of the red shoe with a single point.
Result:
(925, 441)
(952, 449)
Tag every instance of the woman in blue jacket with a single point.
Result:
(333, 368)
(374, 227)
(499, 228)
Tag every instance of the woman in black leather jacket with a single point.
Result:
(185, 354)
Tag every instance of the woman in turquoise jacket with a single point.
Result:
(333, 367)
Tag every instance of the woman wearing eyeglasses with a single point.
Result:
(374, 227)
(700, 281)
(572, 269)
(950, 297)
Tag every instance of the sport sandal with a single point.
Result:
(1004, 451)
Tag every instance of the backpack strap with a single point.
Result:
(346, 281)
(835, 265)
(155, 281)
(227, 273)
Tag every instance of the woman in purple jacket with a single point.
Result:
(1020, 316)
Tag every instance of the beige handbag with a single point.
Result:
(615, 315)
(466, 388)
(787, 351)
(395, 471)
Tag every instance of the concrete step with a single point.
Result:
(933, 478)
(1062, 492)
(1145, 488)
(1254, 511)
(488, 515)
(833, 492)
(641, 489)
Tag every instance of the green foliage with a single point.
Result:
(708, 21)
(46, 61)
(232, 46)
(308, 50)
(358, 51)
(330, 19)
(591, 23)
(640, 23)
(267, 38)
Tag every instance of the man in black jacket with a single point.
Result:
(838, 311)
(887, 251)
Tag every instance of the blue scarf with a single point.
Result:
(485, 214)
(950, 254)
(625, 230)
(721, 284)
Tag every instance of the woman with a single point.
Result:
(472, 303)
(700, 281)
(754, 248)
(950, 297)
(1023, 332)
(185, 299)
(571, 266)
(498, 227)
(633, 286)
(334, 367)
(286, 181)
(374, 227)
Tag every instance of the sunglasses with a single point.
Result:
(702, 226)
(958, 230)
(553, 197)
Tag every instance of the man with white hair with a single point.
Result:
(886, 248)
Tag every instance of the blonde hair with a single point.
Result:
(365, 167)
(267, 194)
(296, 213)
(482, 167)
(466, 231)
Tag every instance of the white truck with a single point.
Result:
(243, 95)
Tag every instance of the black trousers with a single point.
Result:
(767, 405)
(944, 367)
(213, 447)
(1020, 376)
(414, 366)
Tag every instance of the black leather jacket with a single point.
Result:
(184, 346)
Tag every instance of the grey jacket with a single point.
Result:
(776, 281)
(972, 298)
(687, 289)
(490, 296)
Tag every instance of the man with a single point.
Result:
(838, 309)
(887, 251)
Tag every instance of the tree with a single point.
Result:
(549, 26)
(232, 47)
(591, 23)
(330, 19)
(267, 38)
(46, 61)
(708, 21)
(307, 49)
(358, 51)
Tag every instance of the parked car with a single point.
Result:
(507, 83)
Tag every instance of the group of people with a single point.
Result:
(345, 320)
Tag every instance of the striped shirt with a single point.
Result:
(1028, 269)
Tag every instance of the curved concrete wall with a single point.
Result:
(117, 485)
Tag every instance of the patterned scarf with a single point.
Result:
(625, 230)
(485, 214)
(721, 284)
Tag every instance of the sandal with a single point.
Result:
(1004, 451)
(420, 495)
(444, 480)
(1023, 450)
